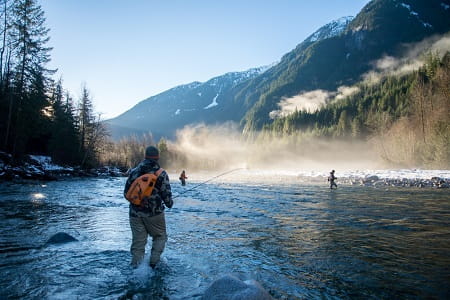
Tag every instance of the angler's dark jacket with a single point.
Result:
(161, 195)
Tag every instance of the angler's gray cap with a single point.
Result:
(152, 152)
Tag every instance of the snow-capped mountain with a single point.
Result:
(382, 28)
(332, 29)
(337, 54)
(209, 102)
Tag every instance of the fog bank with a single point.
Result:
(224, 148)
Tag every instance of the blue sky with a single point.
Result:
(127, 51)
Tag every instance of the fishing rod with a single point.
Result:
(202, 183)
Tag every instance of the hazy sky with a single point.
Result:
(127, 51)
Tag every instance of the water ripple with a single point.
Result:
(298, 241)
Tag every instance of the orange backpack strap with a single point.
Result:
(149, 189)
(159, 171)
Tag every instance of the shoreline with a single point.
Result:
(376, 178)
(42, 168)
(36, 167)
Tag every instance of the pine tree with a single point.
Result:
(31, 38)
(164, 154)
(64, 141)
(6, 96)
(30, 77)
(85, 117)
(93, 133)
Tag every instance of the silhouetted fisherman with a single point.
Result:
(183, 178)
(331, 179)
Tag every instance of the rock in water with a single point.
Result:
(231, 287)
(60, 238)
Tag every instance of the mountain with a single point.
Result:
(211, 102)
(330, 30)
(383, 27)
(337, 54)
(195, 102)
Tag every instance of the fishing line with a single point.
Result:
(202, 183)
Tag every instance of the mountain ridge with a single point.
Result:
(180, 106)
(337, 54)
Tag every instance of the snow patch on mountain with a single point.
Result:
(332, 29)
(213, 103)
(416, 14)
(188, 86)
(407, 6)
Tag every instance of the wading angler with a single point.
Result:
(148, 190)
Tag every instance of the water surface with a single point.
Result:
(299, 240)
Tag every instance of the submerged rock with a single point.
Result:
(231, 287)
(61, 238)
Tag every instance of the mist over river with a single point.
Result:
(298, 239)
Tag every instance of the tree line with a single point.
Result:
(407, 117)
(37, 116)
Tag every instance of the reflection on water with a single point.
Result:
(299, 241)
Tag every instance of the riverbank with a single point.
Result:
(394, 178)
(371, 178)
(36, 167)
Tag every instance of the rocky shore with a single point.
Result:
(35, 167)
(375, 181)
(380, 182)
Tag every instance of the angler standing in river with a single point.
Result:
(331, 179)
(183, 178)
(148, 217)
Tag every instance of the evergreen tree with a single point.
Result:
(85, 117)
(25, 79)
(93, 133)
(164, 154)
(37, 117)
(64, 143)
(343, 125)
(6, 51)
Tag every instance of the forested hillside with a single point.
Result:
(406, 117)
(382, 28)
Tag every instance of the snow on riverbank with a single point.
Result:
(385, 174)
(39, 167)
(47, 165)
(390, 174)
(381, 177)
(42, 168)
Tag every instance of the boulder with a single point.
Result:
(61, 238)
(230, 287)
(372, 178)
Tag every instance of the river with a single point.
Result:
(299, 240)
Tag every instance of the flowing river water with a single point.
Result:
(298, 240)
